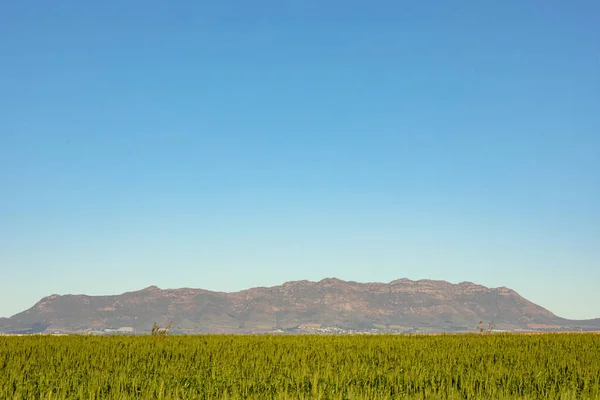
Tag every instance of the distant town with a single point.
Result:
(307, 328)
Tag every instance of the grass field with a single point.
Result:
(561, 366)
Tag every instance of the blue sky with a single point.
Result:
(241, 144)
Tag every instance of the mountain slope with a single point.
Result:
(401, 306)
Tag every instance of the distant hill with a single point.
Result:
(301, 306)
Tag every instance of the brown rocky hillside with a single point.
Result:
(332, 304)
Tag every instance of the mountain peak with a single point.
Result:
(331, 281)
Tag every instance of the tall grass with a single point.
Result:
(565, 366)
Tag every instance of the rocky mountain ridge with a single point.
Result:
(399, 306)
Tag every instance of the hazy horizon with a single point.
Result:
(232, 145)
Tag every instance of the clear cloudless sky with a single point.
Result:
(231, 144)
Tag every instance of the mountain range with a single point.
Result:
(329, 305)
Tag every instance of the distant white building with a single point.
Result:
(124, 329)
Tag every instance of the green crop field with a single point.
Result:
(561, 366)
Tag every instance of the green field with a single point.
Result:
(565, 366)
